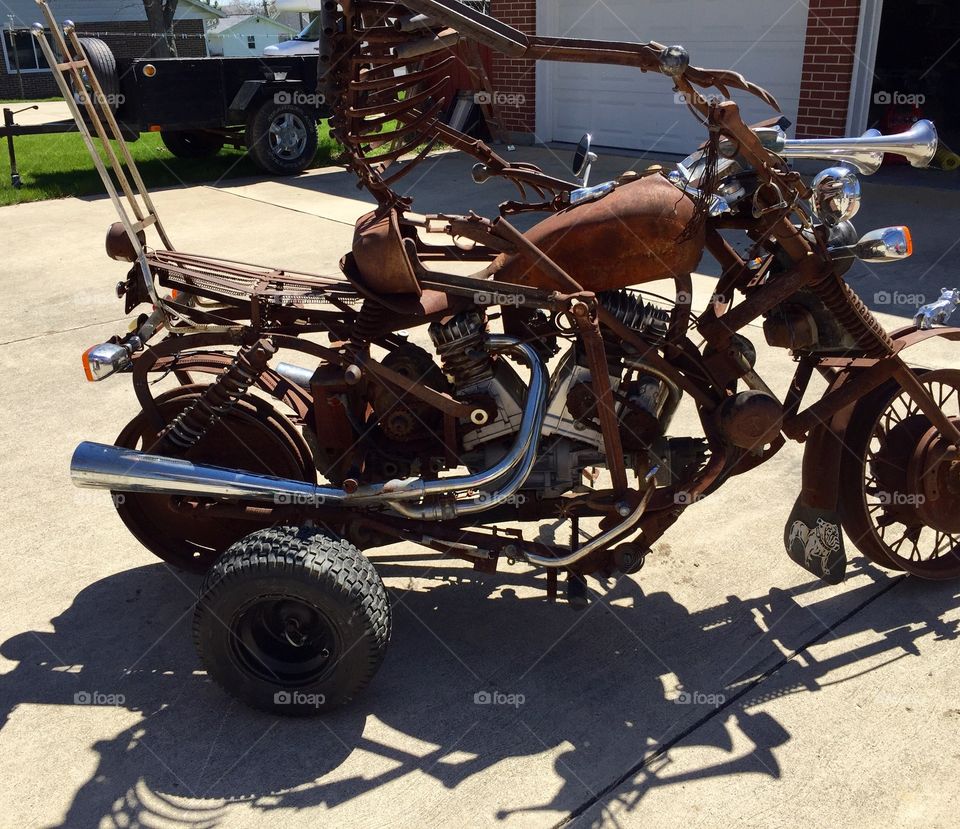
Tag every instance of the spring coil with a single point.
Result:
(854, 316)
(220, 396)
(634, 313)
(371, 322)
(460, 344)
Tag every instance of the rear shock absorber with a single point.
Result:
(220, 396)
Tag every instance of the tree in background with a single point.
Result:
(160, 17)
(261, 7)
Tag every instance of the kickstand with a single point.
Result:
(552, 585)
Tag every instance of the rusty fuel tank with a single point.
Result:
(626, 238)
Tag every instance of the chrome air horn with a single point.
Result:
(918, 145)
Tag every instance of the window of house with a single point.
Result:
(20, 49)
(251, 41)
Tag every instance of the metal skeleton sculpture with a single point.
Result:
(382, 432)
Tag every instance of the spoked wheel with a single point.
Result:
(292, 621)
(900, 489)
(253, 437)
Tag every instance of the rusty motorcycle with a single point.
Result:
(549, 377)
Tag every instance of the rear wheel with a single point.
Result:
(192, 143)
(292, 621)
(282, 138)
(252, 436)
(899, 489)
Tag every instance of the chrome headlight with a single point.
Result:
(836, 195)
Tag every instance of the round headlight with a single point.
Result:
(836, 195)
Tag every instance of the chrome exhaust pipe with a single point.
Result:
(519, 461)
(101, 466)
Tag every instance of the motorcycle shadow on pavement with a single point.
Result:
(481, 670)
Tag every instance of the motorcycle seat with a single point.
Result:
(385, 260)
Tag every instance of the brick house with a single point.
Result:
(836, 66)
(121, 24)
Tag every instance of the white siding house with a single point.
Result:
(245, 35)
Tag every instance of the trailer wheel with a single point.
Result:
(192, 143)
(292, 621)
(282, 138)
(104, 66)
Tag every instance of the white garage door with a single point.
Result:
(622, 107)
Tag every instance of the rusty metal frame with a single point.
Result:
(381, 115)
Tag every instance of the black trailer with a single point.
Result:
(269, 105)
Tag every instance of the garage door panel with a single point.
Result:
(720, 20)
(762, 39)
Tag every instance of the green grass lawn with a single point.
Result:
(56, 166)
(27, 102)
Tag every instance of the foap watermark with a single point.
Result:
(699, 698)
(498, 698)
(299, 98)
(901, 499)
(496, 98)
(698, 98)
(884, 98)
(686, 298)
(517, 500)
(98, 698)
(898, 298)
(90, 497)
(111, 100)
(298, 698)
(483, 298)
(299, 499)
(91, 299)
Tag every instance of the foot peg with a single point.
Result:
(814, 541)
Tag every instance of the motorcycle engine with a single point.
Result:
(571, 440)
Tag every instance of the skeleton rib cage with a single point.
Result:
(384, 71)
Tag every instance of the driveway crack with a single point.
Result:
(634, 770)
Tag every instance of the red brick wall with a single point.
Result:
(825, 83)
(516, 77)
(828, 67)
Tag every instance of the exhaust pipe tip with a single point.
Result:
(100, 466)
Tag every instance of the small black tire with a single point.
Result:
(282, 138)
(104, 66)
(192, 143)
(292, 621)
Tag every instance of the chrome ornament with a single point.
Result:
(939, 312)
(836, 195)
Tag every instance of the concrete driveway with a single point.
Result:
(41, 112)
(719, 686)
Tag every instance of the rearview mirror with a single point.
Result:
(583, 159)
(884, 245)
